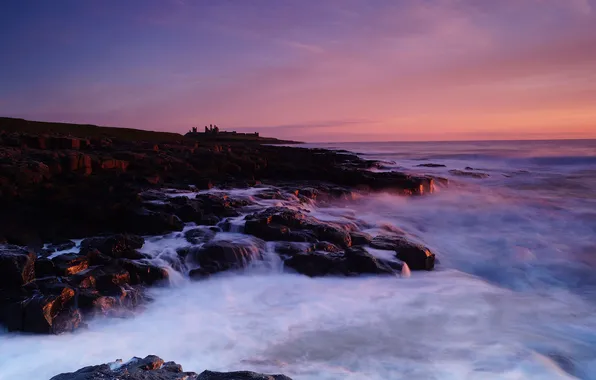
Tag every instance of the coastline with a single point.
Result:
(79, 210)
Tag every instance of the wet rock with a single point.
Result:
(351, 262)
(51, 314)
(17, 266)
(143, 273)
(280, 223)
(155, 223)
(462, 173)
(107, 280)
(221, 205)
(291, 248)
(360, 238)
(241, 375)
(44, 268)
(115, 246)
(415, 255)
(62, 246)
(199, 235)
(431, 165)
(221, 255)
(327, 247)
(149, 368)
(153, 368)
(69, 264)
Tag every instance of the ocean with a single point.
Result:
(513, 295)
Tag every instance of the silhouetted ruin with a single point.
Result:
(213, 130)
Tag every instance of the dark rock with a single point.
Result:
(241, 375)
(431, 165)
(360, 238)
(291, 248)
(279, 223)
(199, 235)
(17, 266)
(44, 267)
(63, 246)
(51, 314)
(415, 255)
(142, 273)
(209, 220)
(115, 246)
(221, 255)
(107, 280)
(154, 368)
(462, 173)
(69, 264)
(353, 261)
(149, 368)
(327, 247)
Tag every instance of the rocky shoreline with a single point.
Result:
(154, 368)
(112, 194)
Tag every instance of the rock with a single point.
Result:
(107, 280)
(360, 238)
(199, 235)
(70, 263)
(62, 246)
(327, 247)
(143, 273)
(115, 246)
(155, 223)
(431, 165)
(44, 268)
(17, 266)
(415, 255)
(353, 261)
(149, 368)
(241, 375)
(153, 368)
(51, 314)
(291, 248)
(280, 223)
(462, 173)
(221, 255)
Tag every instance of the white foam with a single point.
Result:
(442, 325)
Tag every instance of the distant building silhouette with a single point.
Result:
(213, 129)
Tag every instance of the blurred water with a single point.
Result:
(514, 295)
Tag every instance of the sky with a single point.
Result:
(311, 70)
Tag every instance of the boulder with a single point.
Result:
(417, 256)
(154, 368)
(431, 165)
(70, 263)
(44, 267)
(17, 266)
(221, 255)
(281, 223)
(239, 375)
(144, 273)
(351, 262)
(115, 246)
(51, 314)
(199, 235)
(462, 173)
(360, 238)
(287, 248)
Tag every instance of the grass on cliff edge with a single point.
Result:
(85, 130)
(129, 134)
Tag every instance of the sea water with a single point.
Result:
(512, 297)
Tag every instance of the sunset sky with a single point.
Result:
(313, 70)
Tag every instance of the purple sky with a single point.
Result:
(324, 70)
